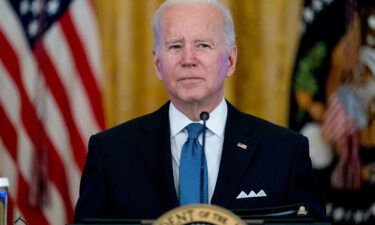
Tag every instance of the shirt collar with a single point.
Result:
(215, 124)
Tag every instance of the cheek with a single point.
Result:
(167, 72)
(221, 66)
(168, 65)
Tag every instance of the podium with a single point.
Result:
(151, 222)
(201, 214)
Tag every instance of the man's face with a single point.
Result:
(192, 58)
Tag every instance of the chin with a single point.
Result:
(191, 98)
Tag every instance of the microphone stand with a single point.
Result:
(203, 116)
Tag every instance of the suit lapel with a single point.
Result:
(239, 148)
(155, 149)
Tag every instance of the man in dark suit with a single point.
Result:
(133, 170)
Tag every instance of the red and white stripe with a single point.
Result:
(340, 128)
(337, 123)
(50, 103)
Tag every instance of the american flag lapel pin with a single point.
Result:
(242, 145)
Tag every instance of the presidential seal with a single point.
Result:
(199, 214)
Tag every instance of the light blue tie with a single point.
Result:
(190, 169)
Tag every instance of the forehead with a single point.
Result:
(192, 21)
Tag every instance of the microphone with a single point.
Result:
(204, 116)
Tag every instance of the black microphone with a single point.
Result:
(204, 116)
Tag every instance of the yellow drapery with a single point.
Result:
(267, 34)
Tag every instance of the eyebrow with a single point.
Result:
(173, 41)
(210, 41)
(204, 40)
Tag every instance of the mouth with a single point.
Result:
(190, 79)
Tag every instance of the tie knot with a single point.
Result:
(194, 130)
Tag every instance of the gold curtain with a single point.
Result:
(267, 34)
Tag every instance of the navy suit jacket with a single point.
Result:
(128, 171)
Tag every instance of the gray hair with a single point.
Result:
(228, 20)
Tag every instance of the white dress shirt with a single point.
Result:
(214, 141)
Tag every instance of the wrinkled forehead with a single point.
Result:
(196, 21)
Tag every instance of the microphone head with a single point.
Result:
(204, 116)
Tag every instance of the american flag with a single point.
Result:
(340, 128)
(337, 123)
(50, 103)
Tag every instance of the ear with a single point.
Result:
(232, 60)
(157, 66)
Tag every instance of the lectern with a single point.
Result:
(201, 214)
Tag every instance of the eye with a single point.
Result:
(175, 46)
(203, 45)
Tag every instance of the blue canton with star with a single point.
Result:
(37, 16)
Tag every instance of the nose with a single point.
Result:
(188, 57)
